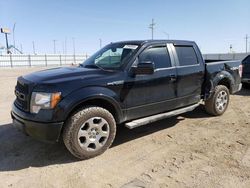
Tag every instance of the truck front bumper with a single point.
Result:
(48, 132)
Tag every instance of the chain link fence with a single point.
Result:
(13, 60)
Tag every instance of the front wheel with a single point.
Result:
(89, 132)
(217, 104)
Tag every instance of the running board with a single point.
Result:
(150, 119)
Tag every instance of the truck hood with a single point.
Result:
(63, 74)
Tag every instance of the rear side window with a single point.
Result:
(186, 55)
(158, 55)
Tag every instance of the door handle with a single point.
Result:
(172, 77)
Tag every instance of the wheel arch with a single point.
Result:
(100, 101)
(222, 78)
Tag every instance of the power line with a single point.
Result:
(152, 26)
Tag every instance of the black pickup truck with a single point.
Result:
(128, 83)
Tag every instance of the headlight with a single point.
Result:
(41, 100)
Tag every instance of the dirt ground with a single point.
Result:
(192, 150)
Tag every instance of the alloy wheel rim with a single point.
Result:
(221, 101)
(93, 134)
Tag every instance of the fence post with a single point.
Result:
(60, 57)
(29, 60)
(11, 63)
(46, 63)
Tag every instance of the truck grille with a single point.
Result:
(22, 95)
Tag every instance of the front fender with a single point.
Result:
(71, 101)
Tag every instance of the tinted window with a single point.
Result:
(186, 55)
(158, 55)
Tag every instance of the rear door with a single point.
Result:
(190, 73)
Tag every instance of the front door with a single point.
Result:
(151, 94)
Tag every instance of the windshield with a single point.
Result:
(111, 57)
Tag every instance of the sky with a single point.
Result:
(213, 24)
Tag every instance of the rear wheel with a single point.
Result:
(89, 132)
(217, 104)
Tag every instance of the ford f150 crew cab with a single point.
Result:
(128, 83)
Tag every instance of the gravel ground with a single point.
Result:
(191, 150)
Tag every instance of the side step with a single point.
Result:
(150, 119)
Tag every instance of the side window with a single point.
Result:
(186, 55)
(158, 55)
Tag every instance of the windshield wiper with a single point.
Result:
(95, 66)
(90, 66)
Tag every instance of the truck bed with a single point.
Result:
(230, 70)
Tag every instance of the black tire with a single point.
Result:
(211, 103)
(79, 120)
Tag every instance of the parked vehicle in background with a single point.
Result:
(246, 71)
(130, 83)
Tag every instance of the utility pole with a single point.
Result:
(54, 42)
(7, 44)
(73, 42)
(166, 34)
(65, 45)
(152, 26)
(63, 50)
(34, 50)
(21, 48)
(246, 41)
(231, 48)
(100, 40)
(14, 42)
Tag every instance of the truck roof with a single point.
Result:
(142, 42)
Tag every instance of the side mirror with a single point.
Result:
(145, 67)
